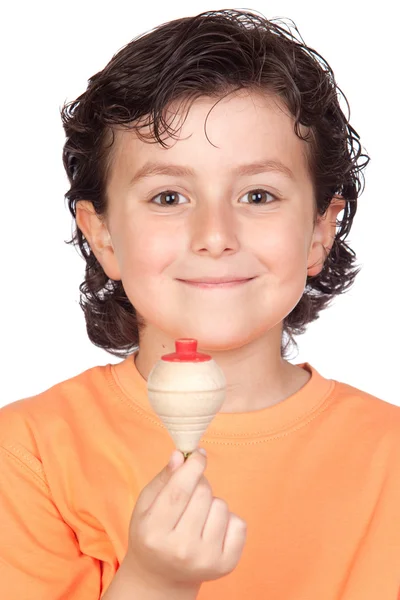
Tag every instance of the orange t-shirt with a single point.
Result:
(316, 477)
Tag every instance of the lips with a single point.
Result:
(216, 284)
(217, 280)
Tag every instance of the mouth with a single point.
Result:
(215, 285)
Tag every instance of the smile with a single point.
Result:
(216, 286)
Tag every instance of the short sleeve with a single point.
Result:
(40, 557)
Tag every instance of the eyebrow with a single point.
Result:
(153, 168)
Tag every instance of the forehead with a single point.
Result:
(216, 133)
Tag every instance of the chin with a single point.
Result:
(213, 338)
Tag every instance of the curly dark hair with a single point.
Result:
(211, 54)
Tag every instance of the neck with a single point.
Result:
(257, 376)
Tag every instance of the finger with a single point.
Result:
(195, 515)
(154, 487)
(217, 523)
(171, 502)
(234, 542)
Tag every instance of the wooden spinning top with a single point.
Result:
(186, 389)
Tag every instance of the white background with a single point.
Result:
(48, 51)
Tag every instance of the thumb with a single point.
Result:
(154, 487)
(175, 461)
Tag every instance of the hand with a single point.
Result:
(179, 533)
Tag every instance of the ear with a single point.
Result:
(95, 230)
(323, 236)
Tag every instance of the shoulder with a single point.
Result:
(367, 415)
(63, 402)
(358, 397)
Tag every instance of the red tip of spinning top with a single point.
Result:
(186, 351)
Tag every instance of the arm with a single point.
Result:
(128, 586)
(39, 553)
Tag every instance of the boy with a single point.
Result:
(208, 164)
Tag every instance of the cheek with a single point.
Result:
(146, 251)
(282, 245)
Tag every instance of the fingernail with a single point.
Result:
(173, 459)
(202, 450)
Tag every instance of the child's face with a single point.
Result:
(213, 229)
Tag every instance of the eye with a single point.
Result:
(257, 196)
(168, 198)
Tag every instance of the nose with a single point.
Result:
(214, 229)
